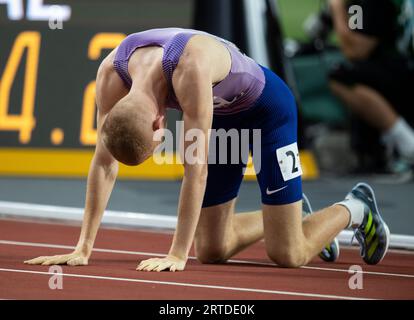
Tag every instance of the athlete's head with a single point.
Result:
(129, 129)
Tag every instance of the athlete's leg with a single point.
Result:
(377, 111)
(368, 104)
(293, 242)
(221, 233)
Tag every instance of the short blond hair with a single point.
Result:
(128, 133)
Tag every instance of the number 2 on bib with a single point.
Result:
(289, 162)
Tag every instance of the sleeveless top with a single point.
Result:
(237, 92)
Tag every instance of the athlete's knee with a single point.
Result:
(209, 254)
(288, 257)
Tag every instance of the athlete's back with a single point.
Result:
(235, 93)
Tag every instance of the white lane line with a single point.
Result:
(140, 220)
(385, 274)
(192, 285)
(151, 254)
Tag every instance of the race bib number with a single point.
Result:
(289, 162)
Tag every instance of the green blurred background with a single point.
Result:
(294, 13)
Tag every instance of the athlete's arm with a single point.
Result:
(194, 91)
(354, 45)
(192, 83)
(101, 179)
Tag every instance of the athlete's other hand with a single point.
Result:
(168, 263)
(73, 259)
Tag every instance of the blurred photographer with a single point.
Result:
(377, 81)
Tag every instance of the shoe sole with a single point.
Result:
(387, 230)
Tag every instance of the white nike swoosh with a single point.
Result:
(268, 192)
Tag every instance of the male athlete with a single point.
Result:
(215, 86)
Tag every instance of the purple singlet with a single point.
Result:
(237, 92)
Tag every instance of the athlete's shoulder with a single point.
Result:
(107, 63)
(109, 86)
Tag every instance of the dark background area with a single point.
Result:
(64, 69)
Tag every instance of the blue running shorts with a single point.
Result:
(279, 176)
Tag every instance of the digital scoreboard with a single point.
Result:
(50, 51)
(49, 54)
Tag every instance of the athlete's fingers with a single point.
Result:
(173, 268)
(151, 266)
(145, 263)
(46, 259)
(148, 267)
(163, 266)
(37, 260)
(49, 261)
(149, 261)
(160, 268)
(56, 260)
(141, 267)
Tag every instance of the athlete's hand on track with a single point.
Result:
(72, 259)
(168, 263)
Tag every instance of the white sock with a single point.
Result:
(356, 209)
(401, 135)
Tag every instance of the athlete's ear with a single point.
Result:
(159, 123)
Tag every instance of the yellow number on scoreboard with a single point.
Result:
(98, 43)
(25, 122)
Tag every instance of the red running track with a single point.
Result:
(111, 273)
